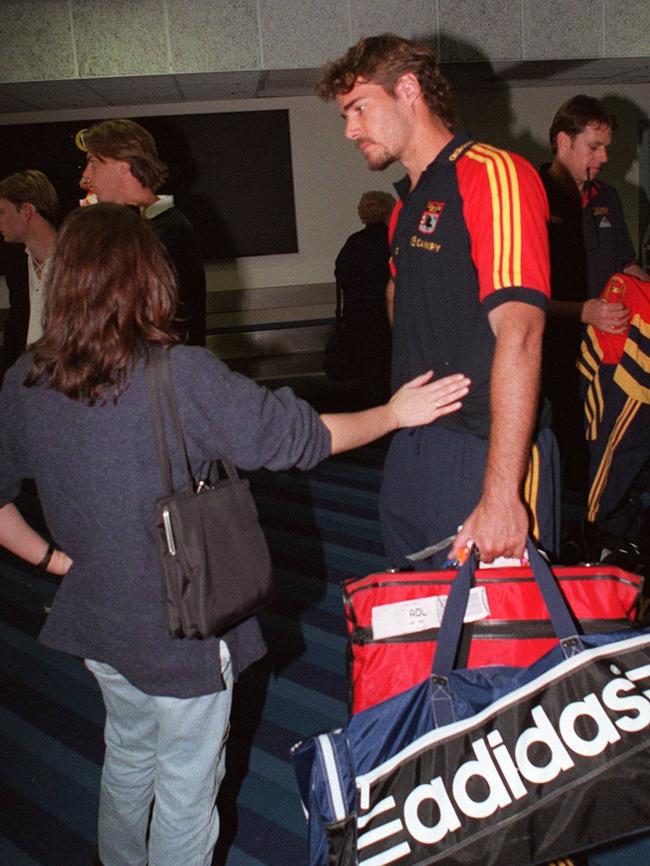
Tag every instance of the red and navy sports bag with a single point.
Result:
(502, 766)
(393, 621)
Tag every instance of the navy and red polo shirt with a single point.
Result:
(470, 236)
(588, 236)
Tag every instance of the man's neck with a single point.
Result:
(431, 137)
(144, 199)
(132, 193)
(560, 173)
(41, 241)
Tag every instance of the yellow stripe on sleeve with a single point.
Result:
(496, 216)
(506, 208)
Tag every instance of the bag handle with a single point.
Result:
(158, 375)
(454, 613)
(156, 358)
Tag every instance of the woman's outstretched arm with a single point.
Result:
(418, 402)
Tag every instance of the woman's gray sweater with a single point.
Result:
(96, 468)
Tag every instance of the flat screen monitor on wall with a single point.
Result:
(230, 174)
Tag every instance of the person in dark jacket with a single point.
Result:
(589, 242)
(362, 275)
(123, 167)
(74, 415)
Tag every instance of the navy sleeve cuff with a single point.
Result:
(516, 293)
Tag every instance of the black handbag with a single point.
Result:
(215, 560)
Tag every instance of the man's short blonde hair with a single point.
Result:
(31, 187)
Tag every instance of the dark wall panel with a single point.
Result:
(230, 174)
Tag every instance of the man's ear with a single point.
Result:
(27, 209)
(408, 87)
(563, 141)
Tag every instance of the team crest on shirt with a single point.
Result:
(603, 213)
(430, 216)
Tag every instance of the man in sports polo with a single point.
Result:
(589, 243)
(471, 271)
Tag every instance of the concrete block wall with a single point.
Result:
(68, 39)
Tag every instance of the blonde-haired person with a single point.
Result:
(29, 209)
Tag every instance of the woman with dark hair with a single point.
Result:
(74, 415)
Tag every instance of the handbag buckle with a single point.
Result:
(169, 532)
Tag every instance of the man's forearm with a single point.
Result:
(514, 397)
(499, 524)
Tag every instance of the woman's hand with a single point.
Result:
(418, 402)
(59, 563)
(19, 537)
(422, 401)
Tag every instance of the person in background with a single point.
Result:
(122, 166)
(471, 284)
(29, 209)
(362, 275)
(74, 414)
(589, 242)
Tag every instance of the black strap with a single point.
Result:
(158, 376)
(151, 371)
(165, 379)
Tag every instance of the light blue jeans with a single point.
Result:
(169, 752)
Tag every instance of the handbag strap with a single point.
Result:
(454, 613)
(156, 363)
(158, 375)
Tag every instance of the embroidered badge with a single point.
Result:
(604, 223)
(430, 216)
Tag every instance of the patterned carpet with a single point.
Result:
(322, 527)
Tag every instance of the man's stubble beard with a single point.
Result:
(380, 161)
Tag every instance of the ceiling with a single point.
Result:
(27, 96)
